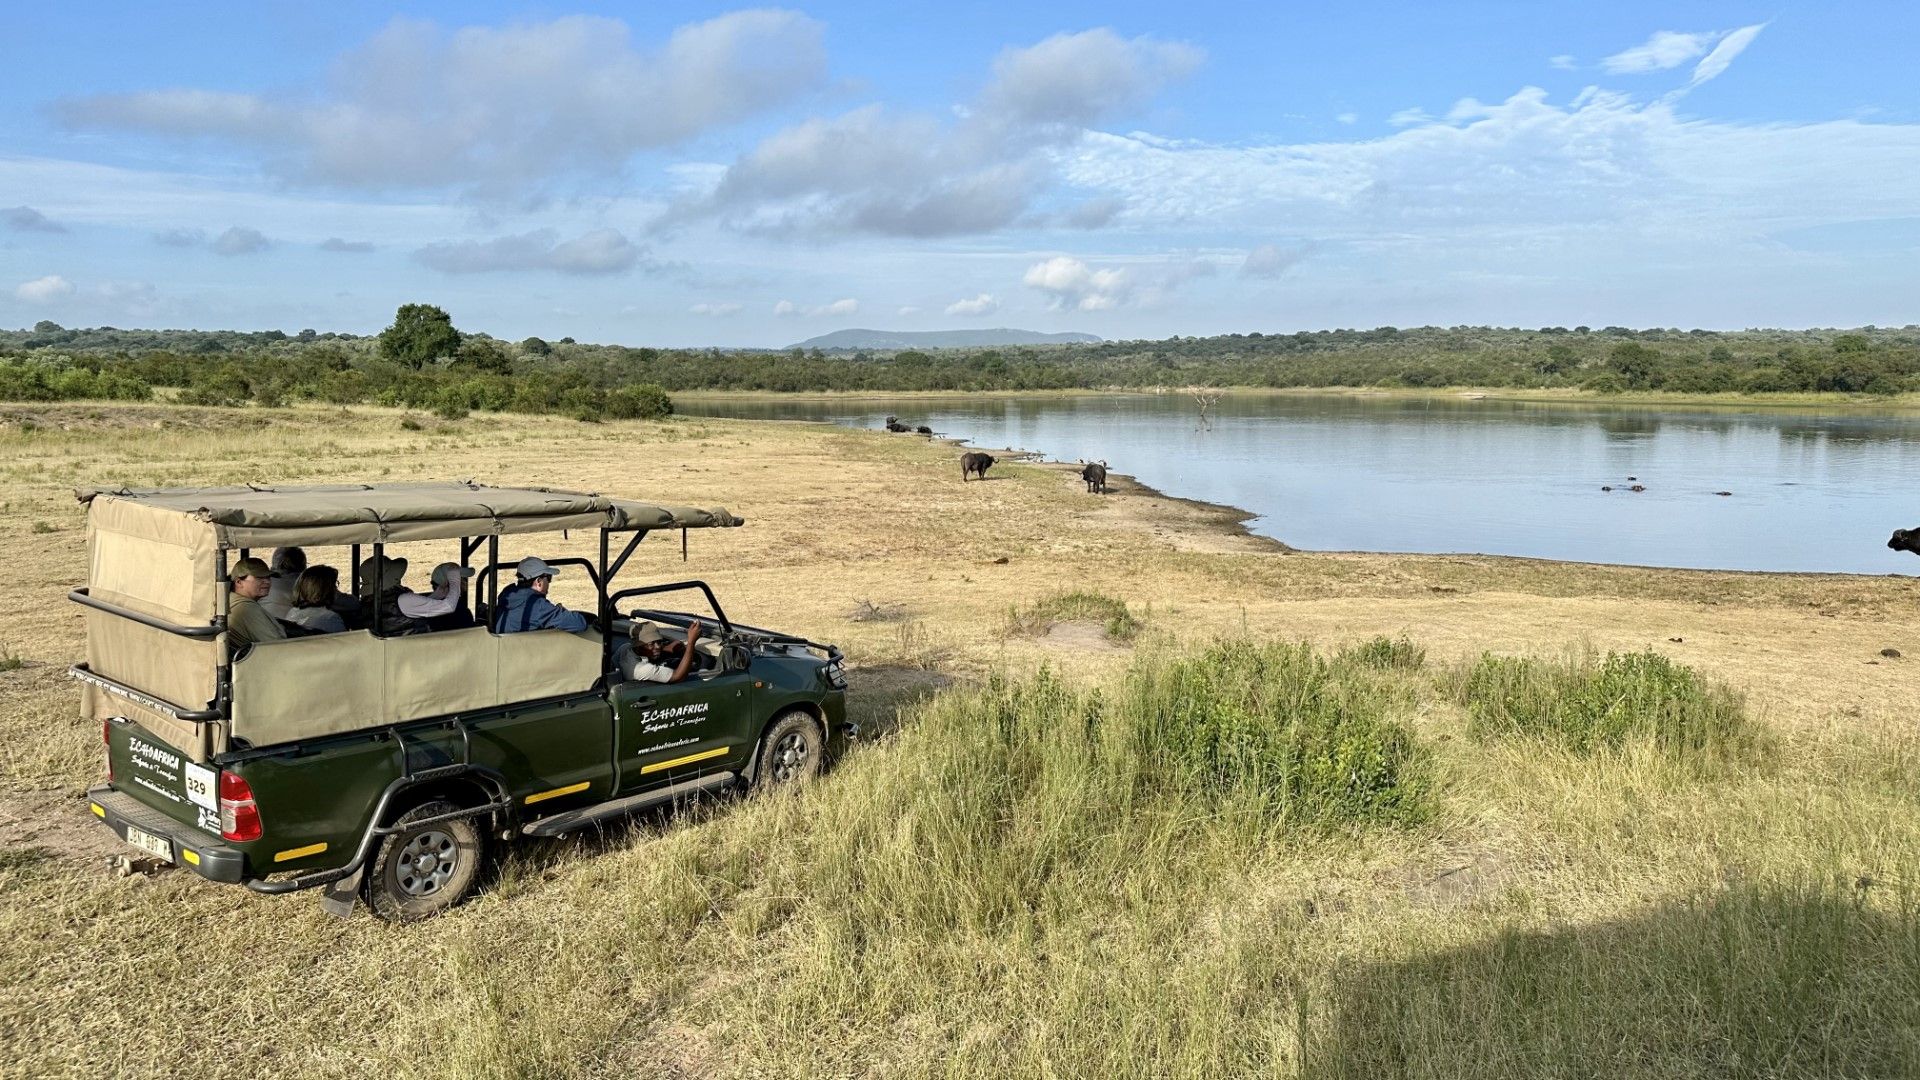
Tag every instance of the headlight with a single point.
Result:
(836, 674)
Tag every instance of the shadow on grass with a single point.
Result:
(1751, 981)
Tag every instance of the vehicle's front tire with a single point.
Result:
(422, 871)
(792, 753)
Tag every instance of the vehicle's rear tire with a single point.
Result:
(791, 754)
(422, 871)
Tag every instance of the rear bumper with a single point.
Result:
(207, 856)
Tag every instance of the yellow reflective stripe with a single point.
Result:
(688, 760)
(557, 792)
(295, 853)
(193, 857)
(99, 811)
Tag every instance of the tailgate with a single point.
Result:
(162, 778)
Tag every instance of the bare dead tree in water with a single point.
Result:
(1206, 400)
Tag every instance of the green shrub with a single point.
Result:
(585, 404)
(1281, 726)
(643, 402)
(450, 403)
(1385, 654)
(1589, 707)
(1112, 614)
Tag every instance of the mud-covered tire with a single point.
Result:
(792, 753)
(420, 872)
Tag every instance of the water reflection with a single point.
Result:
(1812, 490)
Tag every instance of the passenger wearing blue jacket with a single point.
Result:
(524, 605)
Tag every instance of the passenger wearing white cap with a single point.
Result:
(445, 608)
(524, 604)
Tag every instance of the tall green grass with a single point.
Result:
(1800, 978)
(1591, 706)
(1031, 875)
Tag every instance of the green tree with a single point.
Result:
(483, 354)
(534, 346)
(420, 334)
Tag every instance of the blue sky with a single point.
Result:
(672, 175)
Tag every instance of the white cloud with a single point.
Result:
(1408, 117)
(44, 290)
(1665, 49)
(874, 170)
(239, 240)
(1348, 118)
(716, 310)
(1563, 62)
(787, 309)
(1270, 261)
(180, 238)
(1071, 283)
(498, 110)
(1722, 56)
(909, 309)
(1526, 182)
(348, 247)
(27, 219)
(984, 304)
(599, 251)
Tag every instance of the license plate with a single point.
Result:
(157, 846)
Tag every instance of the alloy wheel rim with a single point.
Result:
(789, 756)
(426, 863)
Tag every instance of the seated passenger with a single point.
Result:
(388, 620)
(247, 622)
(524, 604)
(445, 608)
(651, 656)
(313, 601)
(287, 564)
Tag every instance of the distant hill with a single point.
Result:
(938, 339)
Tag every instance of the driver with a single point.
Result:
(651, 656)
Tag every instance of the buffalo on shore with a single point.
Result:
(1095, 474)
(974, 463)
(1906, 540)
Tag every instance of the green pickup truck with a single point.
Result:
(383, 762)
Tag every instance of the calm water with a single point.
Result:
(1814, 490)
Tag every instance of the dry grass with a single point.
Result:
(1550, 913)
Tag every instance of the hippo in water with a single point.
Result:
(1095, 474)
(1906, 540)
(974, 463)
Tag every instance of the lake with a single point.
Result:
(1812, 490)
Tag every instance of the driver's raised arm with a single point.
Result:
(686, 654)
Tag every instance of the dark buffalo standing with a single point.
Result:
(924, 429)
(1906, 540)
(974, 464)
(1095, 474)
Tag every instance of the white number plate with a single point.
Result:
(156, 846)
(200, 782)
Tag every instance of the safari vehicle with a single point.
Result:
(382, 766)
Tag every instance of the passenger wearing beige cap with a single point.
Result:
(247, 622)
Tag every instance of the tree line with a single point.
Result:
(422, 361)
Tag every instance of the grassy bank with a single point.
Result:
(1277, 827)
